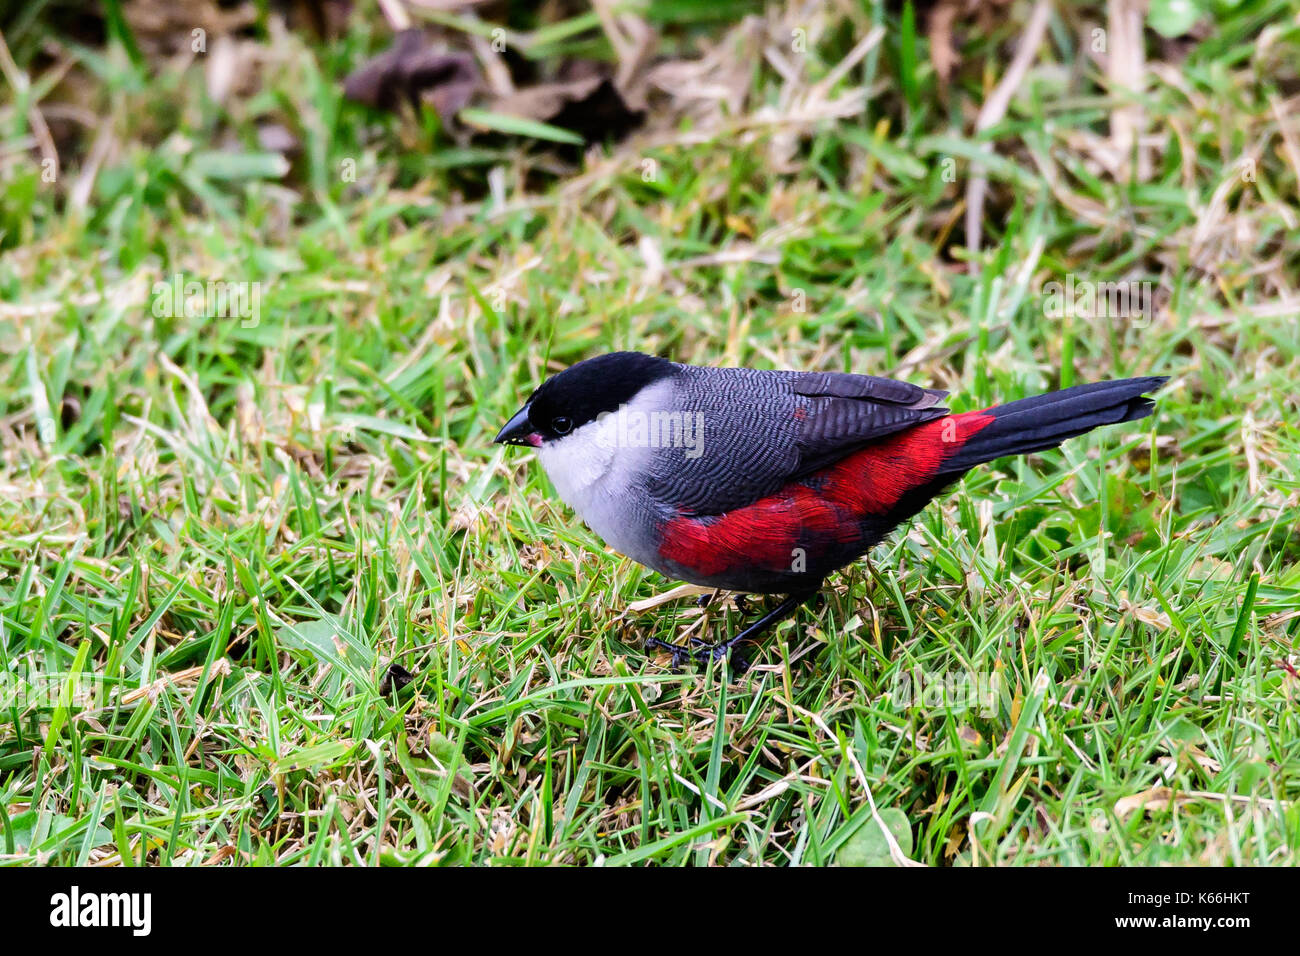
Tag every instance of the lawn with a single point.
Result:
(228, 538)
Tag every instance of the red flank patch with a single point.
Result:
(825, 507)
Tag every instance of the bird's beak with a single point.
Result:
(518, 431)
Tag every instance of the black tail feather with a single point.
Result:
(1044, 421)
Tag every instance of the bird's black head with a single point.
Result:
(581, 393)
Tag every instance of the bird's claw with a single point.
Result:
(699, 652)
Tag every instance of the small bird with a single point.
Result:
(767, 481)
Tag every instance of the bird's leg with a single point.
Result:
(700, 651)
(707, 598)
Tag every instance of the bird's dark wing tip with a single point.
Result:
(862, 387)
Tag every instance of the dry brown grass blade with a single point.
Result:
(220, 669)
(1160, 797)
(18, 81)
(681, 591)
(1126, 70)
(995, 108)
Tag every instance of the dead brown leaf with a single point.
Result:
(592, 106)
(412, 70)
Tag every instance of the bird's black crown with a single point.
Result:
(596, 385)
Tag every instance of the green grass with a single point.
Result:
(226, 532)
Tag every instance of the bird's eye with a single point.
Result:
(562, 425)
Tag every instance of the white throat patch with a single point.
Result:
(592, 467)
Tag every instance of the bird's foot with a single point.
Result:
(700, 652)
